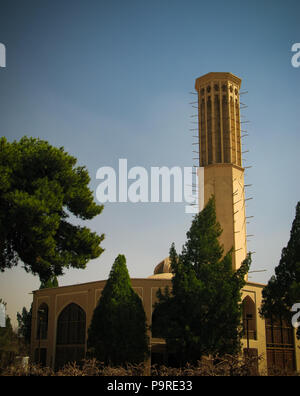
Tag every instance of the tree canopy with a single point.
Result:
(283, 289)
(118, 331)
(8, 338)
(40, 188)
(201, 315)
(24, 324)
(9, 345)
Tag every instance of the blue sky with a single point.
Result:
(111, 79)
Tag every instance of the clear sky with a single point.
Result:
(111, 79)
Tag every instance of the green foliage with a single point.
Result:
(7, 336)
(40, 187)
(9, 346)
(24, 325)
(9, 343)
(283, 289)
(202, 314)
(50, 283)
(117, 334)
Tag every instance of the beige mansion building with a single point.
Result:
(63, 336)
(61, 316)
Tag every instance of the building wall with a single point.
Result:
(254, 291)
(87, 295)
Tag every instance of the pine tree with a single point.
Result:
(118, 331)
(202, 314)
(283, 289)
(40, 189)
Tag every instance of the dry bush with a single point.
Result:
(32, 370)
(92, 368)
(280, 372)
(226, 366)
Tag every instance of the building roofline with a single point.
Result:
(94, 282)
(256, 284)
(132, 279)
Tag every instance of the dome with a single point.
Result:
(161, 276)
(162, 270)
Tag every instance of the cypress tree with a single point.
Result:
(49, 283)
(202, 314)
(283, 289)
(117, 334)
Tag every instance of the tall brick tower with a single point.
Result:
(221, 156)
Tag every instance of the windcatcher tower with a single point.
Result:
(221, 156)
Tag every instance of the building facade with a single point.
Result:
(61, 316)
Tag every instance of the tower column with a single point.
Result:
(220, 155)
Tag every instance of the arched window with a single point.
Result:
(249, 318)
(71, 335)
(42, 322)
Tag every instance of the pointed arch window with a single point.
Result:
(71, 326)
(249, 319)
(70, 336)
